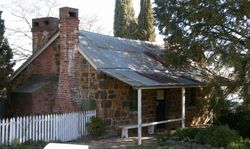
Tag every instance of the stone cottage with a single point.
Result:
(72, 70)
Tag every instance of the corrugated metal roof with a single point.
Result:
(147, 79)
(111, 52)
(137, 63)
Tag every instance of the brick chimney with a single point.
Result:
(42, 30)
(69, 76)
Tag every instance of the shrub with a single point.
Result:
(217, 136)
(240, 144)
(26, 145)
(96, 126)
(187, 133)
(161, 139)
(239, 121)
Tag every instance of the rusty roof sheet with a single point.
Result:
(134, 62)
(146, 79)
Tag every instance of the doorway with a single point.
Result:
(160, 108)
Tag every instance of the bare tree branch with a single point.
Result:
(23, 11)
(92, 23)
(19, 34)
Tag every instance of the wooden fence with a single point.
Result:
(52, 127)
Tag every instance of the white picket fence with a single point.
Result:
(53, 127)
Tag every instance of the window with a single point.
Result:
(190, 96)
(160, 95)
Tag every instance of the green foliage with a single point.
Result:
(96, 126)
(187, 133)
(125, 25)
(240, 144)
(161, 139)
(146, 30)
(238, 120)
(5, 57)
(217, 136)
(26, 145)
(213, 35)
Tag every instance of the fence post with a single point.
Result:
(11, 131)
(3, 131)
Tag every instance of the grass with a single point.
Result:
(27, 145)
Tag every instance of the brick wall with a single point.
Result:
(42, 30)
(60, 59)
(46, 64)
(68, 94)
(39, 102)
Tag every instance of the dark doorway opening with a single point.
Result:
(160, 109)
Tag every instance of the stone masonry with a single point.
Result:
(113, 99)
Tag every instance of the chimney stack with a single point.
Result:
(42, 30)
(68, 85)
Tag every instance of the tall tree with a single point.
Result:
(213, 34)
(124, 19)
(146, 30)
(5, 56)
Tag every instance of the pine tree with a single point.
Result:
(124, 19)
(213, 35)
(146, 30)
(5, 56)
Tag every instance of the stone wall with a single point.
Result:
(113, 98)
(196, 111)
(174, 107)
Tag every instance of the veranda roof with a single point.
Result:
(137, 63)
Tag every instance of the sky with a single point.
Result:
(103, 9)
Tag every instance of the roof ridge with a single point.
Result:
(120, 38)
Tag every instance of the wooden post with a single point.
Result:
(183, 108)
(139, 116)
